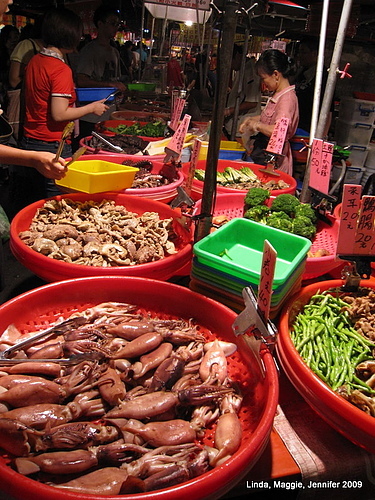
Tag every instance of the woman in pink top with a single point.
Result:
(275, 70)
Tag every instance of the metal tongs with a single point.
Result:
(77, 155)
(66, 132)
(56, 329)
(118, 149)
(250, 322)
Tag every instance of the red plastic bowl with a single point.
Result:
(353, 423)
(255, 372)
(164, 194)
(55, 270)
(197, 186)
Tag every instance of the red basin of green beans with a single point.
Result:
(319, 351)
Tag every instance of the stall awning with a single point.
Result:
(174, 13)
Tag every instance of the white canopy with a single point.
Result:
(180, 14)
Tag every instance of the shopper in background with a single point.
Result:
(20, 57)
(249, 96)
(42, 161)
(9, 36)
(99, 63)
(275, 70)
(307, 57)
(175, 75)
(50, 98)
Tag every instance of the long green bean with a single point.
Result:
(329, 344)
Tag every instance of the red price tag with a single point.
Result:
(277, 139)
(351, 203)
(266, 279)
(364, 237)
(320, 165)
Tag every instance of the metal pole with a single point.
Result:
(229, 23)
(329, 90)
(141, 41)
(163, 31)
(240, 86)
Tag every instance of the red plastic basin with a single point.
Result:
(54, 270)
(197, 186)
(353, 423)
(255, 372)
(165, 194)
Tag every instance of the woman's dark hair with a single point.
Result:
(274, 60)
(62, 28)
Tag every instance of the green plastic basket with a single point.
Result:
(142, 87)
(237, 248)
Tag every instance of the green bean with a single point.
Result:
(328, 343)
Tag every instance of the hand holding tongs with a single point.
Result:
(66, 132)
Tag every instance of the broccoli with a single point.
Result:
(303, 226)
(285, 203)
(256, 196)
(279, 215)
(280, 223)
(306, 210)
(257, 214)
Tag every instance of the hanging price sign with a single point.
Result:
(277, 139)
(266, 279)
(193, 165)
(351, 203)
(364, 243)
(320, 165)
(179, 106)
(175, 145)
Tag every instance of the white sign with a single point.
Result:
(186, 4)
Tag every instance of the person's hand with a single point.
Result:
(44, 162)
(249, 126)
(98, 107)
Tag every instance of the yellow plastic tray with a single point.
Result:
(97, 176)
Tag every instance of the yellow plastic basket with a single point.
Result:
(97, 176)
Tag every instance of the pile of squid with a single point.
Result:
(99, 234)
(117, 400)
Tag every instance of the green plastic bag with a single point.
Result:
(4, 225)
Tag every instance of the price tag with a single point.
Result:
(179, 106)
(176, 143)
(277, 139)
(351, 203)
(320, 165)
(266, 279)
(193, 165)
(364, 237)
(174, 96)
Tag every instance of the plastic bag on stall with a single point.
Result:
(4, 225)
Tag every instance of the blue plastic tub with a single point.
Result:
(90, 94)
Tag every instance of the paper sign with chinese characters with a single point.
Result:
(320, 165)
(277, 139)
(176, 143)
(364, 243)
(193, 165)
(266, 279)
(176, 113)
(350, 205)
